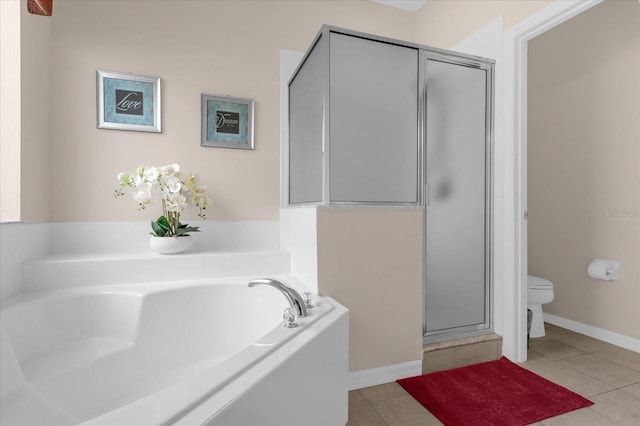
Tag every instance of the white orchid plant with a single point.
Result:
(172, 187)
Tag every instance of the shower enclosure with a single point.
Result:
(381, 122)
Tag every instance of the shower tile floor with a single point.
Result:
(606, 374)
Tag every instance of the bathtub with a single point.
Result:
(199, 352)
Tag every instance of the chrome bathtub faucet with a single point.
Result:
(294, 298)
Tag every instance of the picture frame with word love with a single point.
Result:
(128, 102)
(227, 122)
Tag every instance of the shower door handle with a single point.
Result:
(426, 194)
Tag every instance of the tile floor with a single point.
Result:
(607, 375)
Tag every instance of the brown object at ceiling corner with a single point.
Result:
(40, 7)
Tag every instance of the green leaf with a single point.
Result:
(158, 231)
(183, 231)
(163, 223)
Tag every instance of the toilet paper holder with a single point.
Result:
(608, 270)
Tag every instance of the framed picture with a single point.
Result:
(227, 122)
(40, 7)
(128, 102)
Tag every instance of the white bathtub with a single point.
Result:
(197, 352)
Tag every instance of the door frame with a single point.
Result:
(515, 168)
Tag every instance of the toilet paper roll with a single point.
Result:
(598, 270)
(603, 270)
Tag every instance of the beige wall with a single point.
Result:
(371, 261)
(584, 164)
(444, 23)
(36, 59)
(217, 47)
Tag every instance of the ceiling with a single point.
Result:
(410, 5)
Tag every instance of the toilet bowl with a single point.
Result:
(539, 292)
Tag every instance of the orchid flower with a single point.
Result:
(168, 183)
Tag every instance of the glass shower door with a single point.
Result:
(456, 172)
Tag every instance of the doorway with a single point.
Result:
(515, 128)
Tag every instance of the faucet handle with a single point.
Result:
(306, 296)
(289, 318)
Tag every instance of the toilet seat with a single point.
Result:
(537, 283)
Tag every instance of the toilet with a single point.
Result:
(539, 292)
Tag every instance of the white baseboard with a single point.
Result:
(597, 333)
(389, 373)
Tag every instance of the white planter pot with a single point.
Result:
(170, 245)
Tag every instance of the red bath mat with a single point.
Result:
(491, 393)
